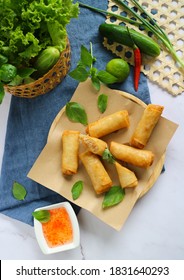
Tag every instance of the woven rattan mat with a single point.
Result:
(163, 70)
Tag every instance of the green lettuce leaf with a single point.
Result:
(28, 27)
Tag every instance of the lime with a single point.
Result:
(118, 68)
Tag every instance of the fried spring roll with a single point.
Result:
(70, 148)
(127, 177)
(137, 157)
(95, 145)
(146, 125)
(108, 124)
(96, 171)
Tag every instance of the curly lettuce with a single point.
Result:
(28, 27)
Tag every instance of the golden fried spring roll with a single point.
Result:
(95, 145)
(108, 124)
(146, 125)
(127, 177)
(70, 148)
(137, 157)
(96, 171)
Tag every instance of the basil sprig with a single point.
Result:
(77, 189)
(19, 192)
(43, 216)
(76, 113)
(102, 102)
(113, 197)
(106, 77)
(108, 156)
(80, 73)
(85, 68)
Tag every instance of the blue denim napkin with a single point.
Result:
(29, 120)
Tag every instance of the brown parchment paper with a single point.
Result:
(47, 168)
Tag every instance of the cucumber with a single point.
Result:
(119, 34)
(46, 60)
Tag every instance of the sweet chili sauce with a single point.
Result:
(58, 230)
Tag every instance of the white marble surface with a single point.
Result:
(154, 229)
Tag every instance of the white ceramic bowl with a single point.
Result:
(75, 226)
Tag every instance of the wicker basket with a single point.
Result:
(46, 83)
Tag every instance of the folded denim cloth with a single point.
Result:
(29, 120)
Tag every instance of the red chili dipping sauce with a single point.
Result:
(58, 230)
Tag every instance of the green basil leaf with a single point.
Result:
(79, 73)
(102, 102)
(77, 189)
(76, 113)
(108, 156)
(2, 92)
(106, 78)
(94, 79)
(113, 197)
(19, 192)
(93, 72)
(86, 57)
(43, 216)
(96, 83)
(79, 63)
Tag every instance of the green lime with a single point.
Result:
(118, 68)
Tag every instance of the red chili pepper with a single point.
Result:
(137, 62)
(137, 66)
